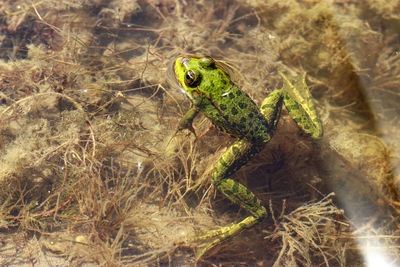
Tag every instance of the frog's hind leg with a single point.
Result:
(236, 156)
(271, 109)
(299, 103)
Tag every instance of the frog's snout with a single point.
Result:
(184, 60)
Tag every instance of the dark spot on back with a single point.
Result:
(223, 107)
(242, 105)
(251, 115)
(234, 111)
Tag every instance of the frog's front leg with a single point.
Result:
(187, 120)
(233, 158)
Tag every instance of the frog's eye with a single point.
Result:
(207, 62)
(192, 78)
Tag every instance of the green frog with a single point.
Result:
(232, 111)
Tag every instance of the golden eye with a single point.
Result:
(192, 78)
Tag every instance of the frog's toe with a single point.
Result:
(205, 242)
(205, 248)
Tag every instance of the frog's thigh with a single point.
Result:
(236, 156)
(271, 107)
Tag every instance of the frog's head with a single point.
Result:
(198, 75)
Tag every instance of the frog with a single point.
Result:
(208, 85)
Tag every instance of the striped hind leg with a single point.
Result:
(299, 103)
(234, 157)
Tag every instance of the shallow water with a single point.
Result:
(93, 171)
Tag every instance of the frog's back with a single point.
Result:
(232, 111)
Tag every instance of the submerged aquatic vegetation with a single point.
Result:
(90, 168)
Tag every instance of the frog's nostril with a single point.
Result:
(184, 60)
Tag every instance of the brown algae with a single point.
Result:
(91, 171)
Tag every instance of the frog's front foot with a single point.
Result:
(187, 120)
(188, 127)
